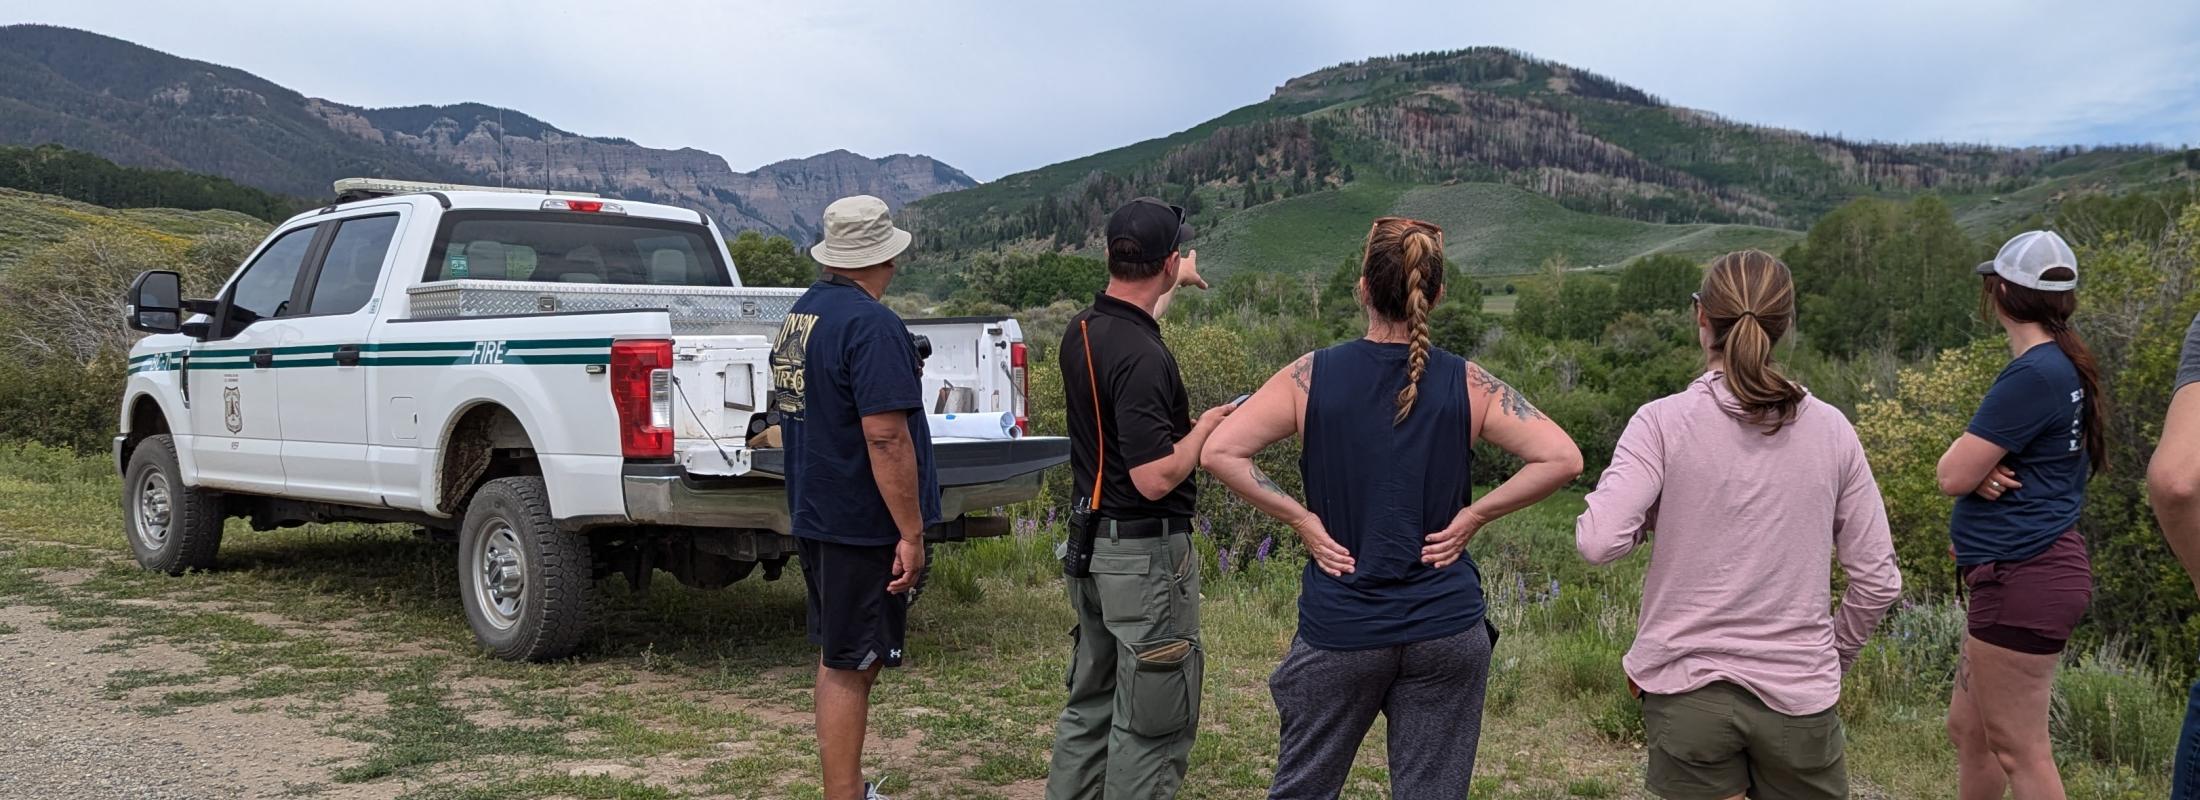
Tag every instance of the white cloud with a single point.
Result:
(1004, 86)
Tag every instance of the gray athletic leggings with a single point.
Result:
(1431, 692)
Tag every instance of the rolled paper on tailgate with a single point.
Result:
(974, 426)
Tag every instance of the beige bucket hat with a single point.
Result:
(859, 233)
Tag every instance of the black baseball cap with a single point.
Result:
(1155, 229)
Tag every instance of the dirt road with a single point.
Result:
(66, 741)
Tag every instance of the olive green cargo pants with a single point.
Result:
(1134, 673)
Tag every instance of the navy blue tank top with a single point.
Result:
(1380, 489)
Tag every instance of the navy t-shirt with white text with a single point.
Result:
(842, 356)
(2036, 411)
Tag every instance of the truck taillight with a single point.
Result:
(1019, 373)
(583, 206)
(641, 390)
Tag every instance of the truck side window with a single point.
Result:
(264, 289)
(353, 264)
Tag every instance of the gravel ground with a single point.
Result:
(60, 740)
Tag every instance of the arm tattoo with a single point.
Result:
(1302, 373)
(1510, 400)
(1268, 483)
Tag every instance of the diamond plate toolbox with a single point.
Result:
(694, 309)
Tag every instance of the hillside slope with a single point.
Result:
(1489, 229)
(1586, 142)
(29, 220)
(141, 107)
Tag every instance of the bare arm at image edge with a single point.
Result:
(1865, 548)
(2173, 478)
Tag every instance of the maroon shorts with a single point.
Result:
(2031, 606)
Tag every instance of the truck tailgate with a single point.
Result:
(721, 385)
(964, 462)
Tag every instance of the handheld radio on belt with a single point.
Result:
(1084, 515)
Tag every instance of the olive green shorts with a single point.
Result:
(1720, 741)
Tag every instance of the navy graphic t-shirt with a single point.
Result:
(2036, 411)
(842, 356)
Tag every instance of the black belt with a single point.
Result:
(1148, 528)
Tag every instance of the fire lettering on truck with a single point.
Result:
(489, 352)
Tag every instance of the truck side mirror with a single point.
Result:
(156, 302)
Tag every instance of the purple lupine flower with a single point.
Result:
(1267, 543)
(1554, 588)
(1206, 526)
(1051, 511)
(1222, 559)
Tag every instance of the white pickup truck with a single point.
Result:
(576, 387)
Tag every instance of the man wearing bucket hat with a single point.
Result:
(860, 485)
(1135, 665)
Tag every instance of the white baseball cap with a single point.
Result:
(859, 234)
(2031, 254)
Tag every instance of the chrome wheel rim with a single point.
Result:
(499, 574)
(155, 510)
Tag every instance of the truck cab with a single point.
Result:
(570, 386)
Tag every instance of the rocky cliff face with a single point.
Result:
(785, 198)
(141, 107)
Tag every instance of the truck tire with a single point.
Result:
(524, 583)
(172, 527)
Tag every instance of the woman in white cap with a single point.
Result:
(2019, 473)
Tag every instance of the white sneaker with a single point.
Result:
(870, 790)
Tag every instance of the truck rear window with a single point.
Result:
(569, 247)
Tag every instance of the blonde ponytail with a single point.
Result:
(1748, 298)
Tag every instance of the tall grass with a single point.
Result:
(990, 639)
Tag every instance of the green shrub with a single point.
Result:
(1587, 662)
(1618, 720)
(1910, 663)
(2115, 710)
(61, 403)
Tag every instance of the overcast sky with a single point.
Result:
(1003, 86)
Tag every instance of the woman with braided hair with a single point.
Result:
(1391, 611)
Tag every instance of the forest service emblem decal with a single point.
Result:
(233, 409)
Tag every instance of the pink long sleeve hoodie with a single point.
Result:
(1747, 527)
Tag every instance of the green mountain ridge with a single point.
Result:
(1693, 181)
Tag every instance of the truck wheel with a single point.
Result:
(172, 527)
(524, 583)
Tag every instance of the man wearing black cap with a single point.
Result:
(1136, 664)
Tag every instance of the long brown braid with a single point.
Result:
(1403, 267)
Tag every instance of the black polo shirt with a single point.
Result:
(1142, 405)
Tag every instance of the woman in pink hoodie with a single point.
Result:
(1752, 487)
